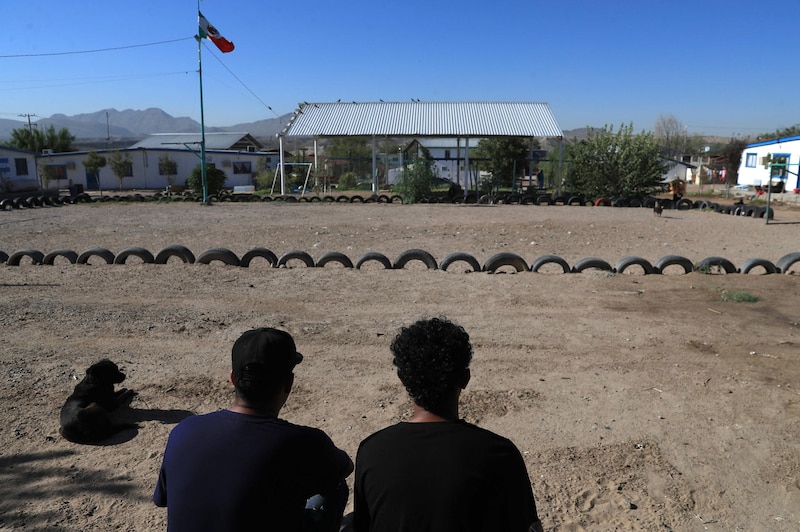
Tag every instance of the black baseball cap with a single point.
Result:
(264, 354)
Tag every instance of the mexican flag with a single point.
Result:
(207, 31)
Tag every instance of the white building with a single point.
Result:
(784, 154)
(17, 170)
(236, 154)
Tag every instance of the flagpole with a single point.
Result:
(202, 118)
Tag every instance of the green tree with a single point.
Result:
(621, 164)
(508, 158)
(416, 180)
(121, 165)
(791, 131)
(215, 179)
(167, 167)
(355, 151)
(36, 140)
(45, 172)
(93, 163)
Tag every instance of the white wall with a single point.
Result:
(9, 180)
(145, 167)
(752, 172)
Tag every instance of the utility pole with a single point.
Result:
(30, 125)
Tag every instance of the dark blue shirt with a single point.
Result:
(229, 471)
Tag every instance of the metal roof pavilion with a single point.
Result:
(423, 119)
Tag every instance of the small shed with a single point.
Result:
(783, 154)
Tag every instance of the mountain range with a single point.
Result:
(135, 124)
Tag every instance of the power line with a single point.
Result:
(96, 50)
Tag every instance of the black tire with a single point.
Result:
(374, 256)
(591, 263)
(600, 202)
(7, 204)
(649, 203)
(506, 259)
(544, 200)
(50, 258)
(356, 199)
(620, 202)
(527, 200)
(635, 203)
(513, 199)
(625, 262)
(415, 254)
(263, 253)
(667, 204)
(328, 199)
(314, 199)
(560, 200)
(343, 199)
(705, 265)
(460, 257)
(550, 259)
(383, 198)
(144, 255)
(3, 257)
(575, 200)
(175, 250)
(102, 253)
(35, 255)
(223, 255)
(684, 204)
(762, 213)
(486, 199)
(397, 198)
(786, 262)
(334, 256)
(750, 264)
(674, 260)
(371, 199)
(287, 199)
(302, 256)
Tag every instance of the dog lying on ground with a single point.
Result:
(657, 208)
(86, 415)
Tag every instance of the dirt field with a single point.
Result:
(640, 402)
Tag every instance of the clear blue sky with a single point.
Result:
(719, 67)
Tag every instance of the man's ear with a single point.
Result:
(287, 387)
(232, 379)
(465, 379)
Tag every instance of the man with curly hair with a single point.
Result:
(436, 472)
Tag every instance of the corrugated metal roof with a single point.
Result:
(423, 119)
(214, 141)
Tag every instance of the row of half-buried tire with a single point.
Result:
(497, 263)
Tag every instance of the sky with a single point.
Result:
(722, 68)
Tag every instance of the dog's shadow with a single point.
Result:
(129, 419)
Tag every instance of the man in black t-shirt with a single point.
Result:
(438, 473)
(246, 469)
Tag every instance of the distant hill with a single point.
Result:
(133, 124)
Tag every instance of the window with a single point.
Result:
(128, 169)
(242, 167)
(57, 171)
(750, 161)
(22, 166)
(446, 154)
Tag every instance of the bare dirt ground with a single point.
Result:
(640, 402)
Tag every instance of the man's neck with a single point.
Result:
(423, 415)
(242, 407)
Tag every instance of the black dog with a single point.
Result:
(657, 208)
(86, 416)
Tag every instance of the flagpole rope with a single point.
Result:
(239, 80)
(97, 50)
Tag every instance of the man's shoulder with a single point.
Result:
(456, 429)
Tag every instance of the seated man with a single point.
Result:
(437, 472)
(246, 469)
